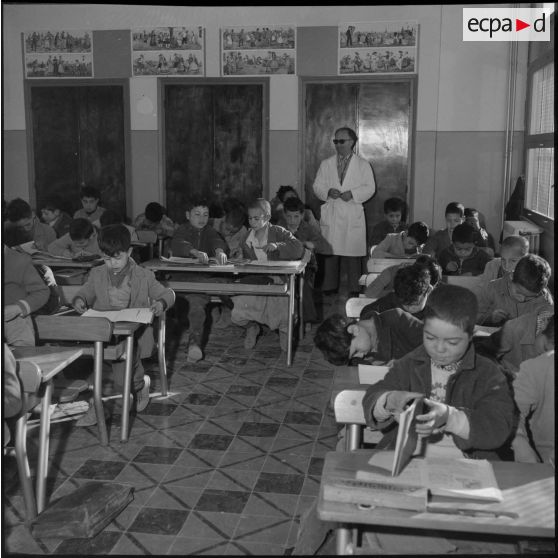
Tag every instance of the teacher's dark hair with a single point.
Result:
(349, 131)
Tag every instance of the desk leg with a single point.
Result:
(353, 440)
(23, 465)
(161, 354)
(292, 293)
(44, 431)
(301, 306)
(343, 542)
(98, 393)
(126, 388)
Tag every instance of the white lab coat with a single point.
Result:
(343, 224)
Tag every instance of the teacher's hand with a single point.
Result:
(333, 193)
(346, 196)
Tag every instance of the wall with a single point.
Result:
(459, 144)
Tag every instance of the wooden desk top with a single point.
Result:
(51, 360)
(59, 263)
(528, 490)
(275, 268)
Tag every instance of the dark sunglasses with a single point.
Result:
(341, 141)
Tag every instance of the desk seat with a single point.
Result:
(226, 288)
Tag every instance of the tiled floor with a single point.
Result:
(225, 465)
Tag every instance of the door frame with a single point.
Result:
(162, 82)
(411, 79)
(28, 84)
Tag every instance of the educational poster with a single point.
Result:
(168, 51)
(256, 51)
(381, 47)
(58, 54)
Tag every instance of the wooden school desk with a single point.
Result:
(528, 490)
(289, 289)
(50, 361)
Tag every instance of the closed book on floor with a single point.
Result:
(83, 513)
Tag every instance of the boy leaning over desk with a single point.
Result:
(121, 283)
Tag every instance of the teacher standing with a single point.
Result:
(344, 182)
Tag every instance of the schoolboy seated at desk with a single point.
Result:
(111, 217)
(90, 210)
(25, 292)
(155, 219)
(483, 239)
(121, 283)
(53, 215)
(80, 241)
(395, 210)
(512, 296)
(441, 239)
(411, 288)
(469, 405)
(265, 242)
(405, 244)
(22, 225)
(196, 238)
(463, 257)
(232, 227)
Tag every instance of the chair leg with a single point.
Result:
(23, 465)
(161, 354)
(353, 438)
(97, 393)
(125, 423)
(44, 432)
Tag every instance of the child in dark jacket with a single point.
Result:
(463, 257)
(197, 239)
(395, 210)
(470, 408)
(53, 215)
(265, 242)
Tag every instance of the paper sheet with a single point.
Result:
(140, 315)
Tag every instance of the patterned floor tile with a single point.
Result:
(143, 544)
(279, 483)
(270, 530)
(215, 442)
(159, 521)
(269, 503)
(183, 546)
(210, 525)
(231, 501)
(100, 470)
(101, 544)
(157, 454)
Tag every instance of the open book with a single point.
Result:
(140, 315)
(407, 436)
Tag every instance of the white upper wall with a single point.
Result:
(453, 76)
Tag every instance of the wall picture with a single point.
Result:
(168, 51)
(258, 50)
(58, 54)
(381, 47)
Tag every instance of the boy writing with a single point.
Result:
(81, 240)
(155, 219)
(265, 242)
(394, 213)
(232, 228)
(468, 399)
(91, 209)
(53, 216)
(23, 226)
(483, 239)
(197, 239)
(517, 294)
(455, 215)
(512, 249)
(405, 244)
(121, 283)
(463, 257)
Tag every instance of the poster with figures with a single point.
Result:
(58, 54)
(258, 50)
(380, 47)
(168, 51)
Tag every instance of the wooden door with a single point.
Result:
(380, 114)
(214, 143)
(78, 139)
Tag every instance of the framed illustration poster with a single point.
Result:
(168, 51)
(380, 47)
(258, 50)
(58, 54)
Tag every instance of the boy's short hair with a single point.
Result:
(110, 217)
(154, 212)
(516, 241)
(196, 201)
(455, 207)
(333, 339)
(395, 204)
(81, 229)
(532, 272)
(53, 203)
(419, 231)
(453, 304)
(410, 283)
(114, 239)
(261, 203)
(18, 209)
(294, 204)
(284, 190)
(463, 233)
(236, 217)
(428, 262)
(89, 192)
(470, 212)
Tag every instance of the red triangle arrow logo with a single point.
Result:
(519, 25)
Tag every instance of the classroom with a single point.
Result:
(289, 193)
